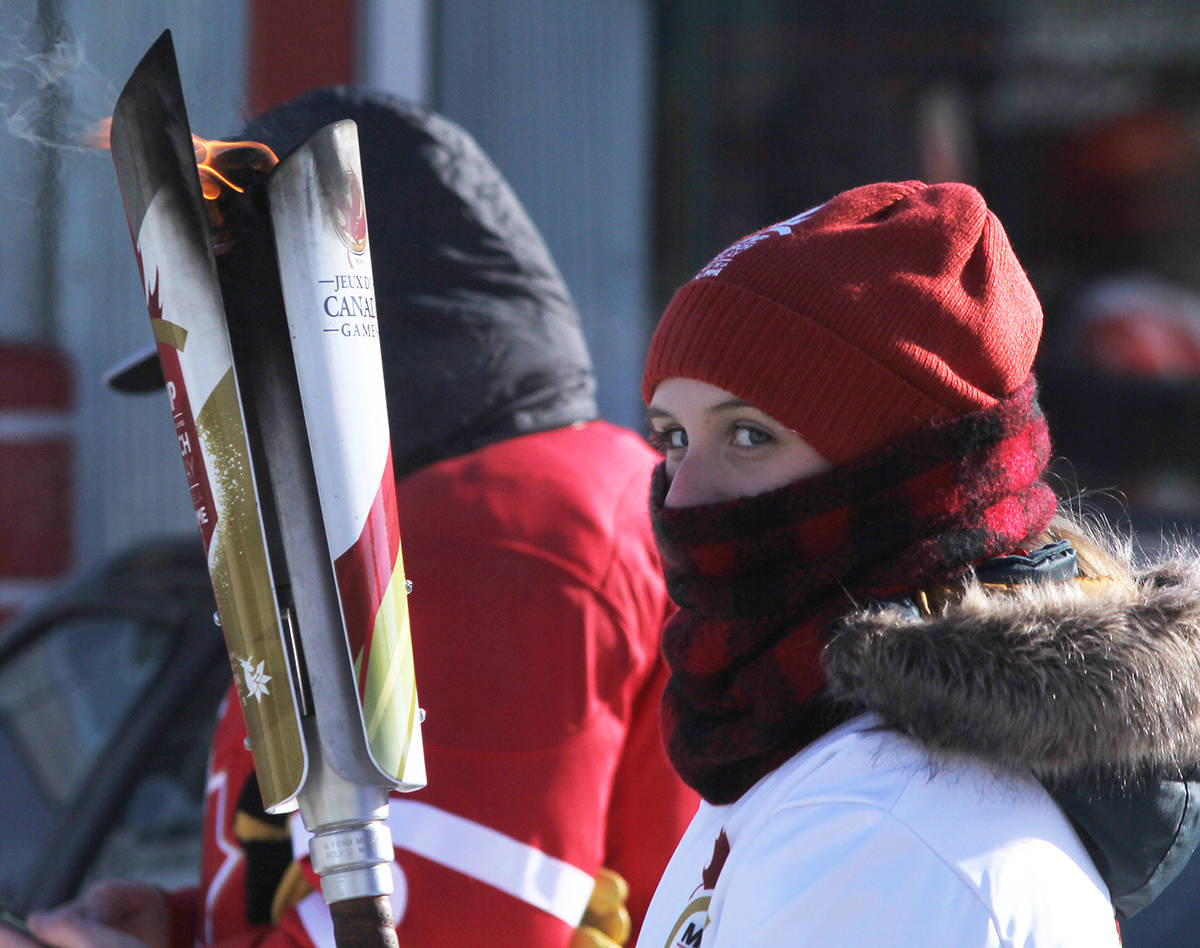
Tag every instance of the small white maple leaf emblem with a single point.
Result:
(256, 681)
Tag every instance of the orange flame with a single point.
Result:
(99, 134)
(209, 154)
(208, 158)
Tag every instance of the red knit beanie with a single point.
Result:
(886, 308)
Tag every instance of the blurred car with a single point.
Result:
(108, 696)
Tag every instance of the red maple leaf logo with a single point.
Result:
(720, 853)
(350, 214)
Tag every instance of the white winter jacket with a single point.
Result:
(864, 839)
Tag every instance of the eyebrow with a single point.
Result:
(652, 412)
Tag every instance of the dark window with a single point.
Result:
(63, 698)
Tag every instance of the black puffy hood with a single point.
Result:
(479, 336)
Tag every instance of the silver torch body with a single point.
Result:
(262, 308)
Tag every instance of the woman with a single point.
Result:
(921, 708)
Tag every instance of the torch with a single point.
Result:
(259, 286)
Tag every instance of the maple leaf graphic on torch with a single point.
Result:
(256, 681)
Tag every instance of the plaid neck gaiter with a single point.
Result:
(761, 580)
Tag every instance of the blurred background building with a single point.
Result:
(643, 136)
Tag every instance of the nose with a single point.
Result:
(696, 481)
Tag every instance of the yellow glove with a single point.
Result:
(606, 922)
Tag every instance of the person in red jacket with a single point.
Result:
(537, 605)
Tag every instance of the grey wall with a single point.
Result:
(557, 92)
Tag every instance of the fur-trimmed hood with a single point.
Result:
(1074, 680)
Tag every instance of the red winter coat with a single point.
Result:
(536, 611)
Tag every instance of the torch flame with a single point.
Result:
(208, 157)
(99, 134)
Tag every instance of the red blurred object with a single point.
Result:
(1150, 142)
(1133, 175)
(36, 458)
(1139, 326)
(298, 44)
(1147, 344)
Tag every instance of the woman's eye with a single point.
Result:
(744, 436)
(668, 439)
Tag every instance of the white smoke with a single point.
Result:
(50, 95)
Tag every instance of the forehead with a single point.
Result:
(675, 396)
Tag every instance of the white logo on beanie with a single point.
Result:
(782, 229)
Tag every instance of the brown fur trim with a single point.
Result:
(1066, 680)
